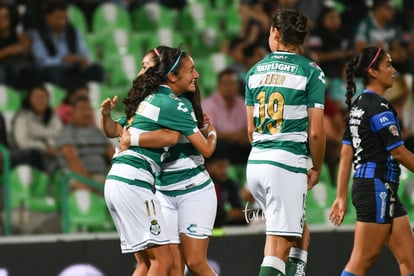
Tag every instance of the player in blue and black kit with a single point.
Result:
(373, 142)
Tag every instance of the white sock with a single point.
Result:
(298, 254)
(274, 262)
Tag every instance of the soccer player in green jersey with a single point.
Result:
(155, 108)
(285, 107)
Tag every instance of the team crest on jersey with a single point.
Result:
(155, 228)
(394, 130)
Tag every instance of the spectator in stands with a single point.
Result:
(18, 156)
(256, 21)
(227, 111)
(64, 110)
(83, 148)
(234, 50)
(328, 44)
(229, 205)
(377, 29)
(15, 61)
(60, 52)
(253, 53)
(405, 19)
(36, 126)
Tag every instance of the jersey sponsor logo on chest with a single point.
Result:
(291, 68)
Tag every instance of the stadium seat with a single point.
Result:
(209, 68)
(206, 43)
(237, 173)
(30, 190)
(119, 42)
(56, 94)
(121, 70)
(166, 37)
(10, 102)
(78, 19)
(152, 16)
(232, 21)
(88, 212)
(406, 191)
(107, 17)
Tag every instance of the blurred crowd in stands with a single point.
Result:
(58, 60)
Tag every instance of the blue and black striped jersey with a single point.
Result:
(373, 131)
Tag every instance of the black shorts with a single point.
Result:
(376, 200)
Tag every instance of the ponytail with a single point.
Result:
(350, 83)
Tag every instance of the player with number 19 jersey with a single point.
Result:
(281, 88)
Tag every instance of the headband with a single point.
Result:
(176, 62)
(156, 52)
(374, 59)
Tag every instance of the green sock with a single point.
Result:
(296, 264)
(272, 266)
(269, 271)
(295, 267)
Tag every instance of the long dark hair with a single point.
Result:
(26, 105)
(292, 26)
(195, 99)
(369, 57)
(168, 61)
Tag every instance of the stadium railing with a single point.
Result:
(6, 188)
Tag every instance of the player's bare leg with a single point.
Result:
(178, 269)
(195, 255)
(161, 261)
(298, 254)
(143, 263)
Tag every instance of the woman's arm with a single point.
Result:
(250, 122)
(111, 128)
(317, 143)
(205, 146)
(338, 209)
(154, 139)
(404, 156)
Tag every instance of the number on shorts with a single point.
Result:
(147, 205)
(272, 109)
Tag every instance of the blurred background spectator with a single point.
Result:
(229, 204)
(378, 29)
(60, 53)
(19, 156)
(15, 61)
(83, 148)
(227, 111)
(36, 126)
(329, 47)
(64, 109)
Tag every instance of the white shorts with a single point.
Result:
(137, 216)
(192, 214)
(281, 194)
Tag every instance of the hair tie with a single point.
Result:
(156, 52)
(176, 62)
(374, 59)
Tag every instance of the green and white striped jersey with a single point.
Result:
(163, 109)
(281, 88)
(183, 170)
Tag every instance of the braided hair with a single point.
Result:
(369, 57)
(168, 61)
